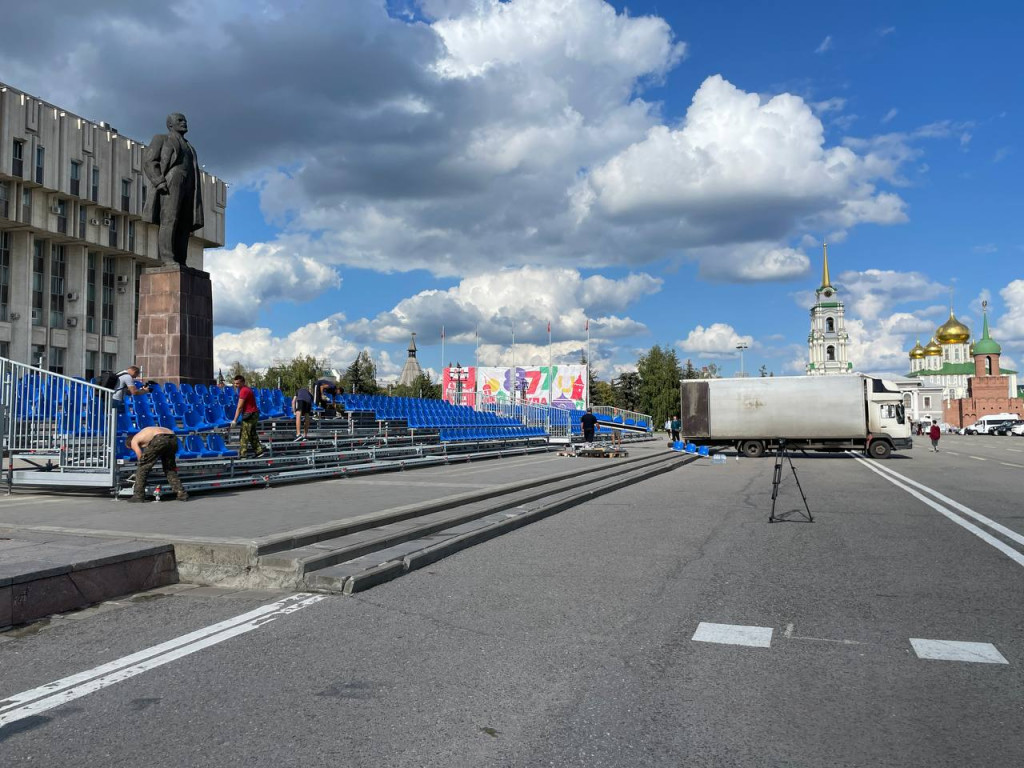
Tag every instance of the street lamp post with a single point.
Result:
(742, 346)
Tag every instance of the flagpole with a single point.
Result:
(588, 362)
(442, 353)
(512, 372)
(550, 371)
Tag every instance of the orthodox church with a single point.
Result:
(949, 358)
(827, 341)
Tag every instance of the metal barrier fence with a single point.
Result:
(610, 413)
(65, 422)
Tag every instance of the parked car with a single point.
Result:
(1004, 427)
(1018, 430)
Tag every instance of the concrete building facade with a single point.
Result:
(72, 240)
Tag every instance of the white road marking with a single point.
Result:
(956, 650)
(1015, 450)
(952, 453)
(906, 482)
(978, 458)
(1011, 464)
(43, 698)
(733, 634)
(789, 630)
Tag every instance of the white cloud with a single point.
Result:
(717, 340)
(246, 278)
(742, 170)
(259, 348)
(873, 293)
(985, 248)
(825, 45)
(888, 116)
(1010, 329)
(527, 298)
(754, 262)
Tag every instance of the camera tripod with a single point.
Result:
(782, 455)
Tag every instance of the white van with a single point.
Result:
(985, 423)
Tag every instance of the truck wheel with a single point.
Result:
(752, 449)
(879, 449)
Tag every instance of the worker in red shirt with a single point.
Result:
(935, 433)
(249, 413)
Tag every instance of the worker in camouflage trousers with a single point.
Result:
(154, 444)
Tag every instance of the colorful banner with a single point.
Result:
(458, 385)
(566, 385)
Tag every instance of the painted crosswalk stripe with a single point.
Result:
(32, 702)
(957, 650)
(1011, 464)
(733, 634)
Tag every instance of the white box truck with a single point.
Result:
(817, 413)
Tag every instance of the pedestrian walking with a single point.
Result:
(676, 426)
(935, 433)
(589, 421)
(249, 413)
(150, 445)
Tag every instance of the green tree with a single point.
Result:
(302, 371)
(659, 373)
(361, 376)
(626, 389)
(423, 386)
(602, 393)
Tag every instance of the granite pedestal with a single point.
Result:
(175, 334)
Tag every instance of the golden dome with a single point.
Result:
(952, 331)
(932, 349)
(917, 352)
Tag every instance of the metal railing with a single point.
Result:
(58, 430)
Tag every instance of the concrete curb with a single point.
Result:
(391, 570)
(41, 591)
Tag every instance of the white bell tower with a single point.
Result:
(827, 341)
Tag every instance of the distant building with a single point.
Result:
(990, 389)
(948, 361)
(72, 240)
(827, 341)
(412, 371)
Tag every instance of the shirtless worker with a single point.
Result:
(150, 444)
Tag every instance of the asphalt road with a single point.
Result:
(580, 640)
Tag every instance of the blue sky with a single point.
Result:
(668, 171)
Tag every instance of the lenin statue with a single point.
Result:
(175, 201)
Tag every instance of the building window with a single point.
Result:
(5, 274)
(38, 281)
(830, 325)
(5, 349)
(142, 192)
(113, 232)
(5, 195)
(131, 235)
(107, 296)
(62, 216)
(76, 177)
(82, 219)
(126, 195)
(90, 291)
(58, 273)
(95, 185)
(927, 401)
(56, 360)
(18, 159)
(26, 206)
(830, 354)
(109, 362)
(91, 359)
(40, 163)
(38, 357)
